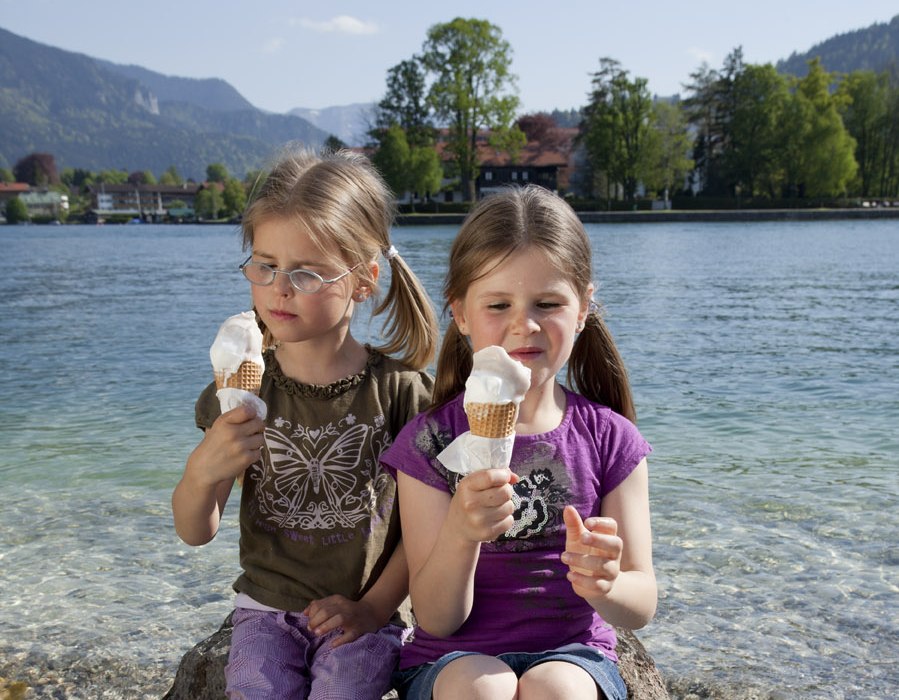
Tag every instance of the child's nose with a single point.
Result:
(282, 284)
(524, 323)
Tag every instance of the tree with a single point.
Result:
(234, 196)
(866, 114)
(393, 159)
(470, 62)
(38, 169)
(427, 172)
(405, 104)
(112, 177)
(666, 155)
(209, 203)
(216, 172)
(142, 177)
(753, 159)
(825, 164)
(171, 177)
(76, 178)
(701, 107)
(16, 211)
(6, 175)
(333, 144)
(616, 129)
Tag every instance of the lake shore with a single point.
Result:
(681, 215)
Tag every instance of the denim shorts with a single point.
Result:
(417, 683)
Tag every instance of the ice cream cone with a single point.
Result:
(247, 377)
(492, 420)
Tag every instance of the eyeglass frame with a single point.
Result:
(276, 271)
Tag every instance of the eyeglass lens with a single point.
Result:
(262, 274)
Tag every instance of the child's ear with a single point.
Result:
(585, 302)
(364, 291)
(458, 312)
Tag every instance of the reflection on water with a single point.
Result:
(765, 365)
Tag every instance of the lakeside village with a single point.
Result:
(553, 161)
(550, 159)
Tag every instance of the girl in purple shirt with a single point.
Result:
(517, 575)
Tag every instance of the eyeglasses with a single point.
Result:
(305, 281)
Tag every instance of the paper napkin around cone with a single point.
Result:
(493, 391)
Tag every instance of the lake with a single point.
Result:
(764, 359)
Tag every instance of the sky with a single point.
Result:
(285, 54)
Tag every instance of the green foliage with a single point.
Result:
(16, 211)
(753, 160)
(209, 203)
(112, 177)
(171, 177)
(392, 159)
(665, 160)
(616, 128)
(216, 172)
(333, 144)
(6, 175)
(405, 104)
(874, 48)
(870, 111)
(825, 160)
(472, 87)
(98, 117)
(234, 197)
(764, 135)
(426, 171)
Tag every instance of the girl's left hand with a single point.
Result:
(592, 553)
(352, 618)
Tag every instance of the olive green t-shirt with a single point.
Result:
(318, 513)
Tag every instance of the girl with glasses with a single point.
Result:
(518, 574)
(321, 601)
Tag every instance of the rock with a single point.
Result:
(642, 678)
(201, 674)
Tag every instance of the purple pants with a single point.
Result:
(274, 655)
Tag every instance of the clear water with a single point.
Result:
(765, 363)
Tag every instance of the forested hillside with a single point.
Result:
(95, 117)
(874, 48)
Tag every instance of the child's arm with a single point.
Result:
(369, 613)
(443, 536)
(610, 557)
(230, 446)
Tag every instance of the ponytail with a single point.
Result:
(411, 326)
(453, 366)
(596, 369)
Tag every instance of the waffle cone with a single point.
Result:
(247, 377)
(492, 420)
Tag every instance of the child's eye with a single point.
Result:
(548, 305)
(498, 306)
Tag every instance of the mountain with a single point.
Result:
(212, 93)
(874, 48)
(349, 123)
(95, 115)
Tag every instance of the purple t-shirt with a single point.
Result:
(523, 600)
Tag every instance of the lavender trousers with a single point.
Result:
(274, 655)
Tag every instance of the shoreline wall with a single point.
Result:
(669, 215)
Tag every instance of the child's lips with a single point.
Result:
(281, 315)
(525, 354)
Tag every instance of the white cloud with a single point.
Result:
(273, 45)
(342, 24)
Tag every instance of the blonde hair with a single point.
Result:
(345, 206)
(513, 220)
